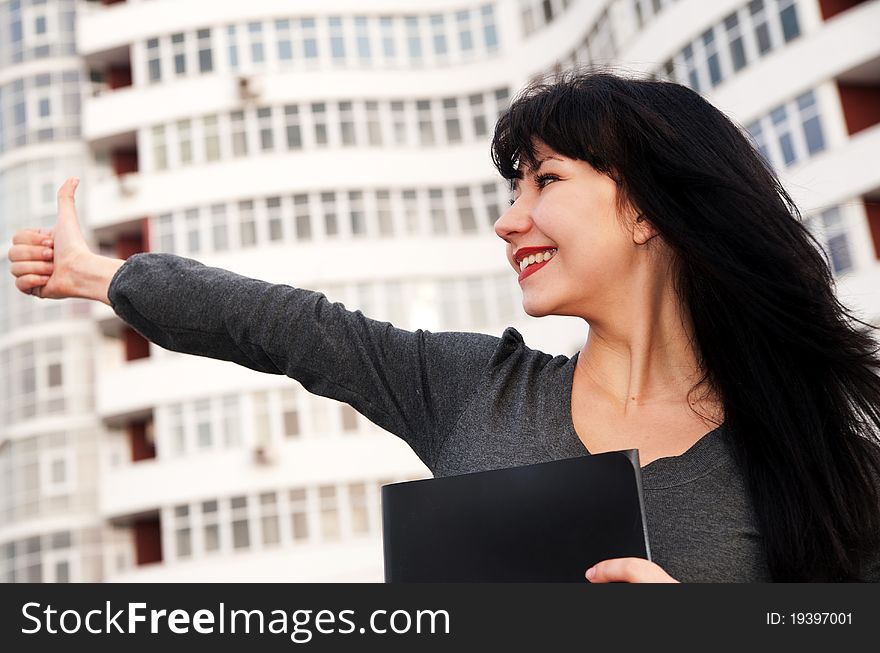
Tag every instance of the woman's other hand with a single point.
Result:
(57, 263)
(628, 570)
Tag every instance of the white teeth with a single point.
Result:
(540, 257)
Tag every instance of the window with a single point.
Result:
(302, 220)
(292, 127)
(812, 126)
(273, 213)
(231, 420)
(178, 49)
(346, 123)
(255, 34)
(398, 122)
(757, 133)
(383, 213)
(299, 514)
(450, 114)
(425, 121)
(232, 47)
(762, 30)
(386, 29)
(360, 514)
(285, 45)
(154, 66)
(362, 36)
(160, 150)
(735, 42)
(476, 301)
(247, 224)
(328, 204)
(206, 61)
(193, 239)
(240, 535)
(413, 39)
(337, 41)
(779, 118)
(788, 18)
(212, 138)
(262, 423)
(210, 526)
(184, 141)
(329, 512)
(465, 210)
(490, 33)
(356, 213)
(411, 211)
(264, 118)
(269, 519)
(836, 240)
(176, 429)
(310, 41)
(438, 35)
(465, 36)
(712, 60)
(478, 115)
(239, 134)
(502, 96)
(490, 199)
(290, 413)
(182, 539)
(437, 211)
(319, 120)
(219, 228)
(374, 129)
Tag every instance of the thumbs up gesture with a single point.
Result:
(45, 262)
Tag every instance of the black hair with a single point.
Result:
(795, 370)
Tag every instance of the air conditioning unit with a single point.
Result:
(250, 88)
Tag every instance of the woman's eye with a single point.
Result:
(543, 180)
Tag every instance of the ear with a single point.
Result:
(643, 230)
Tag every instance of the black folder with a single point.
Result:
(547, 522)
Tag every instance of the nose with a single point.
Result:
(516, 219)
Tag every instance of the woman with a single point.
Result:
(716, 344)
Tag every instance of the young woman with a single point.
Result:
(716, 345)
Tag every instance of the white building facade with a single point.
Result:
(340, 146)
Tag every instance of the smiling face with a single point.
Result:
(564, 204)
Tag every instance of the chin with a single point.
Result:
(536, 310)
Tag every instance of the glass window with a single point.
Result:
(490, 199)
(204, 437)
(426, 122)
(264, 117)
(453, 125)
(465, 35)
(240, 535)
(465, 210)
(247, 224)
(437, 211)
(302, 220)
(757, 134)
(182, 539)
(211, 526)
(178, 48)
(329, 512)
(374, 128)
(160, 150)
(290, 413)
(191, 221)
(788, 16)
(712, 61)
(232, 49)
(478, 115)
(231, 420)
(759, 21)
(255, 33)
(310, 40)
(273, 213)
(779, 118)
(292, 127)
(269, 519)
(811, 122)
(398, 122)
(154, 65)
(735, 42)
(438, 35)
(299, 514)
(356, 213)
(362, 36)
(360, 514)
(206, 61)
(285, 44)
(184, 141)
(219, 228)
(328, 204)
(386, 28)
(337, 40)
(239, 134)
(383, 212)
(413, 39)
(490, 33)
(411, 211)
(346, 123)
(319, 120)
(212, 138)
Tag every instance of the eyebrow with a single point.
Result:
(539, 163)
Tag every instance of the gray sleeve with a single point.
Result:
(414, 384)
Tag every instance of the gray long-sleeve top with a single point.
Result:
(464, 402)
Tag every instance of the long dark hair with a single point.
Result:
(797, 378)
